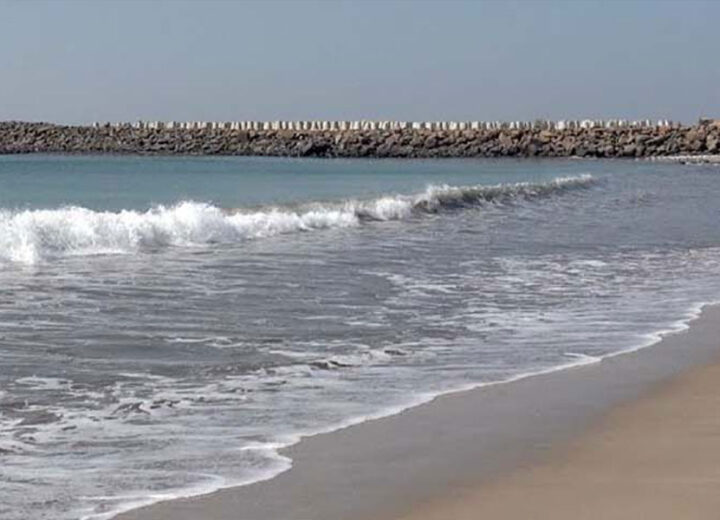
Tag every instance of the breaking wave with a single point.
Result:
(31, 236)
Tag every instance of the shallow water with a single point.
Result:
(167, 323)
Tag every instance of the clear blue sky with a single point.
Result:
(81, 61)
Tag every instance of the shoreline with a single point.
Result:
(653, 457)
(454, 439)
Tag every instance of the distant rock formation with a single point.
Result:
(380, 139)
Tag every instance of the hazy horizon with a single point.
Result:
(82, 61)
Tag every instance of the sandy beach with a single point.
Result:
(633, 436)
(657, 457)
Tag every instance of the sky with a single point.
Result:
(104, 60)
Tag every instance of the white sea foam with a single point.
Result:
(281, 463)
(31, 236)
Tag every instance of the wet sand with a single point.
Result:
(618, 434)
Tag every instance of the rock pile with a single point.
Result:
(700, 139)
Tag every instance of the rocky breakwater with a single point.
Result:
(700, 139)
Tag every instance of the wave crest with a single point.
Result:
(30, 236)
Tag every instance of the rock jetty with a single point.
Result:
(333, 139)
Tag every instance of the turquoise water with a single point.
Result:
(167, 323)
(116, 183)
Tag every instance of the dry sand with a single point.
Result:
(657, 457)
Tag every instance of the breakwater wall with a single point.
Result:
(586, 138)
(343, 126)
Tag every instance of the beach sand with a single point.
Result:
(657, 457)
(634, 436)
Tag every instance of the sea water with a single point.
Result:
(167, 324)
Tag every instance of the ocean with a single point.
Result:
(167, 324)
